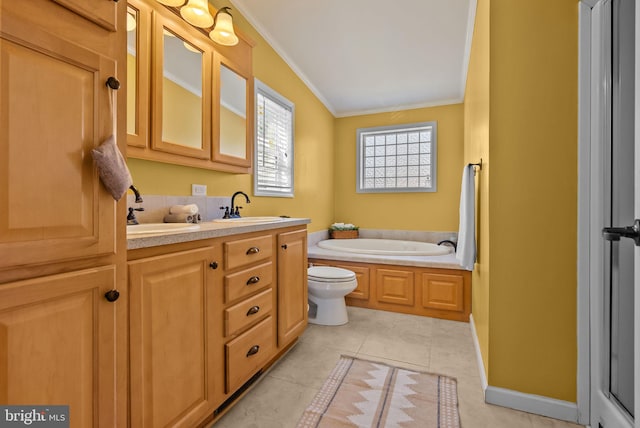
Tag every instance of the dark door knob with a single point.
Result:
(113, 83)
(615, 233)
(284, 246)
(112, 295)
(213, 265)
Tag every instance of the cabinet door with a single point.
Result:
(180, 89)
(54, 109)
(102, 12)
(292, 286)
(442, 291)
(173, 334)
(232, 113)
(57, 344)
(395, 286)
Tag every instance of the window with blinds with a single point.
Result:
(398, 158)
(273, 169)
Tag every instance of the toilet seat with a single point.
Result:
(330, 274)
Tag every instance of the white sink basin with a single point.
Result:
(139, 229)
(240, 220)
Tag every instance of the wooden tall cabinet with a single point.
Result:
(62, 236)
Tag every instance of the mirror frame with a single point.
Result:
(218, 61)
(143, 22)
(193, 37)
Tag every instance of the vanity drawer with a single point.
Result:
(245, 251)
(247, 312)
(247, 353)
(247, 282)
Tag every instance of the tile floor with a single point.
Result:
(425, 344)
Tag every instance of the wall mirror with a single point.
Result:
(233, 113)
(182, 92)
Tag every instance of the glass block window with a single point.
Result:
(399, 158)
(273, 160)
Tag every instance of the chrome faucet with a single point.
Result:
(236, 213)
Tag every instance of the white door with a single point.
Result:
(615, 251)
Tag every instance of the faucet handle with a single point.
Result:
(237, 212)
(226, 212)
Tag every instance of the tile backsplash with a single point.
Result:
(157, 206)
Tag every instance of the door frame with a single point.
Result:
(591, 216)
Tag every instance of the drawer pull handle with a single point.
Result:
(253, 310)
(253, 280)
(253, 350)
(213, 265)
(253, 250)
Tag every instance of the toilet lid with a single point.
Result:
(329, 273)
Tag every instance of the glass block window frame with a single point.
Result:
(398, 158)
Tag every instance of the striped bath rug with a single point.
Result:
(360, 393)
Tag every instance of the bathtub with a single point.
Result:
(385, 247)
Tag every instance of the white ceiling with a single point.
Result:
(366, 56)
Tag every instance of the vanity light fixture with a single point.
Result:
(222, 32)
(196, 13)
(176, 3)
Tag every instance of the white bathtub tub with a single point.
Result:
(385, 247)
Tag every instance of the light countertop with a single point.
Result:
(207, 230)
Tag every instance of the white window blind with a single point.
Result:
(273, 172)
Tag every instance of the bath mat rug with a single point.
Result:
(360, 393)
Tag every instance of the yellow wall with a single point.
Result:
(402, 211)
(476, 147)
(313, 139)
(533, 196)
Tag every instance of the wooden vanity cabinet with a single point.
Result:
(63, 286)
(208, 316)
(173, 338)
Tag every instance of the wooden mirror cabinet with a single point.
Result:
(189, 100)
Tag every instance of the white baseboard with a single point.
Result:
(530, 403)
(557, 409)
(476, 345)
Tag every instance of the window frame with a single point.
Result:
(360, 147)
(265, 91)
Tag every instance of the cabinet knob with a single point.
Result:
(112, 295)
(113, 83)
(253, 280)
(213, 265)
(253, 350)
(283, 246)
(253, 310)
(253, 250)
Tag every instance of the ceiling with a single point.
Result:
(366, 56)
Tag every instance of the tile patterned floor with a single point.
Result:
(426, 344)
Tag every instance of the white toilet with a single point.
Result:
(327, 288)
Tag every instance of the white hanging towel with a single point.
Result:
(466, 252)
